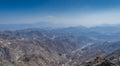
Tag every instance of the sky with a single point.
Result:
(67, 12)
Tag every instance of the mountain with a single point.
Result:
(99, 33)
(114, 56)
(105, 46)
(40, 25)
(98, 61)
(111, 59)
(72, 46)
(35, 48)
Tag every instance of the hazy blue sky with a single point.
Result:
(70, 12)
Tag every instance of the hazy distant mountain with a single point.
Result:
(46, 25)
(110, 29)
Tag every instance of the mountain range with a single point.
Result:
(70, 46)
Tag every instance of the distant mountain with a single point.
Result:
(101, 33)
(41, 25)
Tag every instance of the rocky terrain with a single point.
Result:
(75, 46)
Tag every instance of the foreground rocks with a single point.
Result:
(101, 62)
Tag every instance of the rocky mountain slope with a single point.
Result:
(75, 46)
(98, 61)
(105, 46)
(35, 48)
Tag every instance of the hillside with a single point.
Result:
(73, 46)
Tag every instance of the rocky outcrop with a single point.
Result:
(98, 61)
